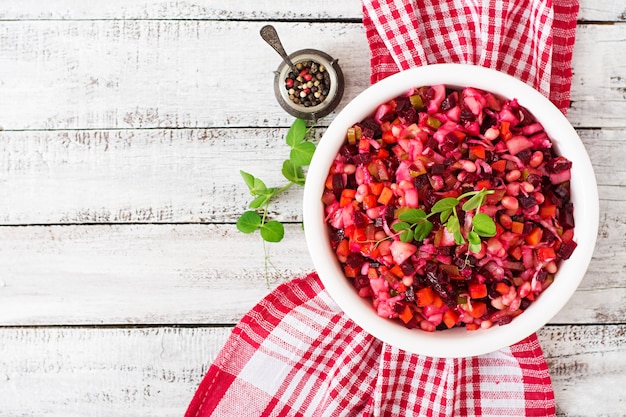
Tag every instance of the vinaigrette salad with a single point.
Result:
(449, 208)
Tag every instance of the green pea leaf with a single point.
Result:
(413, 216)
(406, 236)
(444, 215)
(474, 242)
(258, 187)
(422, 230)
(272, 231)
(444, 204)
(297, 133)
(453, 224)
(293, 173)
(259, 201)
(248, 179)
(484, 225)
(302, 153)
(458, 237)
(249, 222)
(474, 202)
(399, 226)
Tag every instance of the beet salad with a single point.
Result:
(449, 208)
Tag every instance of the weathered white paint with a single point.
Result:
(100, 74)
(607, 10)
(76, 372)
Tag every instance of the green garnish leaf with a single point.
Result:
(444, 204)
(249, 222)
(259, 201)
(406, 236)
(413, 216)
(422, 230)
(248, 179)
(293, 173)
(474, 242)
(399, 226)
(458, 238)
(272, 231)
(302, 153)
(474, 202)
(297, 133)
(473, 238)
(484, 225)
(258, 187)
(444, 215)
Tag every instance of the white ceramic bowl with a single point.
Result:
(457, 342)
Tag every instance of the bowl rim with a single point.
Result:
(441, 344)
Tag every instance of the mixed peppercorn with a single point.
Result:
(310, 86)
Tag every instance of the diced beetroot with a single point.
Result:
(566, 249)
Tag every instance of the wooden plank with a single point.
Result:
(139, 274)
(195, 274)
(607, 10)
(172, 175)
(148, 74)
(155, 371)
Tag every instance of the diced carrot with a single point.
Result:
(517, 227)
(406, 314)
(369, 201)
(534, 237)
(347, 195)
(343, 249)
(424, 297)
(502, 288)
(545, 254)
(547, 211)
(359, 235)
(479, 309)
(383, 153)
(329, 182)
(372, 273)
(486, 184)
(504, 130)
(350, 272)
(516, 252)
(499, 165)
(477, 152)
(400, 287)
(438, 302)
(450, 318)
(472, 326)
(364, 145)
(477, 290)
(376, 187)
(531, 296)
(370, 250)
(385, 196)
(388, 137)
(397, 271)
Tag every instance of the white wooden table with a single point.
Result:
(125, 124)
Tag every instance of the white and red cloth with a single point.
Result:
(296, 353)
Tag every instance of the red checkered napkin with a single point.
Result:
(297, 354)
(532, 40)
